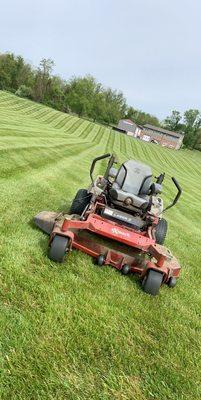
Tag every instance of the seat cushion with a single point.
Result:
(119, 196)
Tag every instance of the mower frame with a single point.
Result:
(145, 254)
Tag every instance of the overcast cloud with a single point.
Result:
(149, 49)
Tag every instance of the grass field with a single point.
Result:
(75, 331)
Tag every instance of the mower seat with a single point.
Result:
(131, 187)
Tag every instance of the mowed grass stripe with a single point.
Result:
(62, 122)
(89, 132)
(19, 161)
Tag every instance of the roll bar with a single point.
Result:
(112, 160)
(177, 195)
(94, 163)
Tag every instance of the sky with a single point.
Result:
(148, 49)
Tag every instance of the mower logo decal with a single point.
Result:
(118, 232)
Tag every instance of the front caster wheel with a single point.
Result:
(101, 260)
(152, 282)
(58, 249)
(125, 269)
(172, 282)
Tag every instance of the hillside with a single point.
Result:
(75, 331)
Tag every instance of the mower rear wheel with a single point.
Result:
(81, 200)
(161, 231)
(58, 248)
(152, 282)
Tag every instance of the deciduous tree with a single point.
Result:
(141, 118)
(173, 122)
(192, 125)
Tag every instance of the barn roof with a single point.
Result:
(162, 130)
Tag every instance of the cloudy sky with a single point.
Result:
(149, 49)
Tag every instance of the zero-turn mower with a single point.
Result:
(123, 210)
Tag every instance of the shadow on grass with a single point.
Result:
(32, 224)
(136, 280)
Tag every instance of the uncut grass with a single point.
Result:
(76, 331)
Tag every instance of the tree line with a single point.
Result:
(86, 97)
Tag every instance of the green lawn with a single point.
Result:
(75, 331)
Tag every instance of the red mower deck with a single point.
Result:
(160, 260)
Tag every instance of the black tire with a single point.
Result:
(101, 260)
(125, 269)
(58, 248)
(172, 282)
(152, 282)
(81, 200)
(161, 231)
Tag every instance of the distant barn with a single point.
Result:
(129, 127)
(163, 136)
(150, 133)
